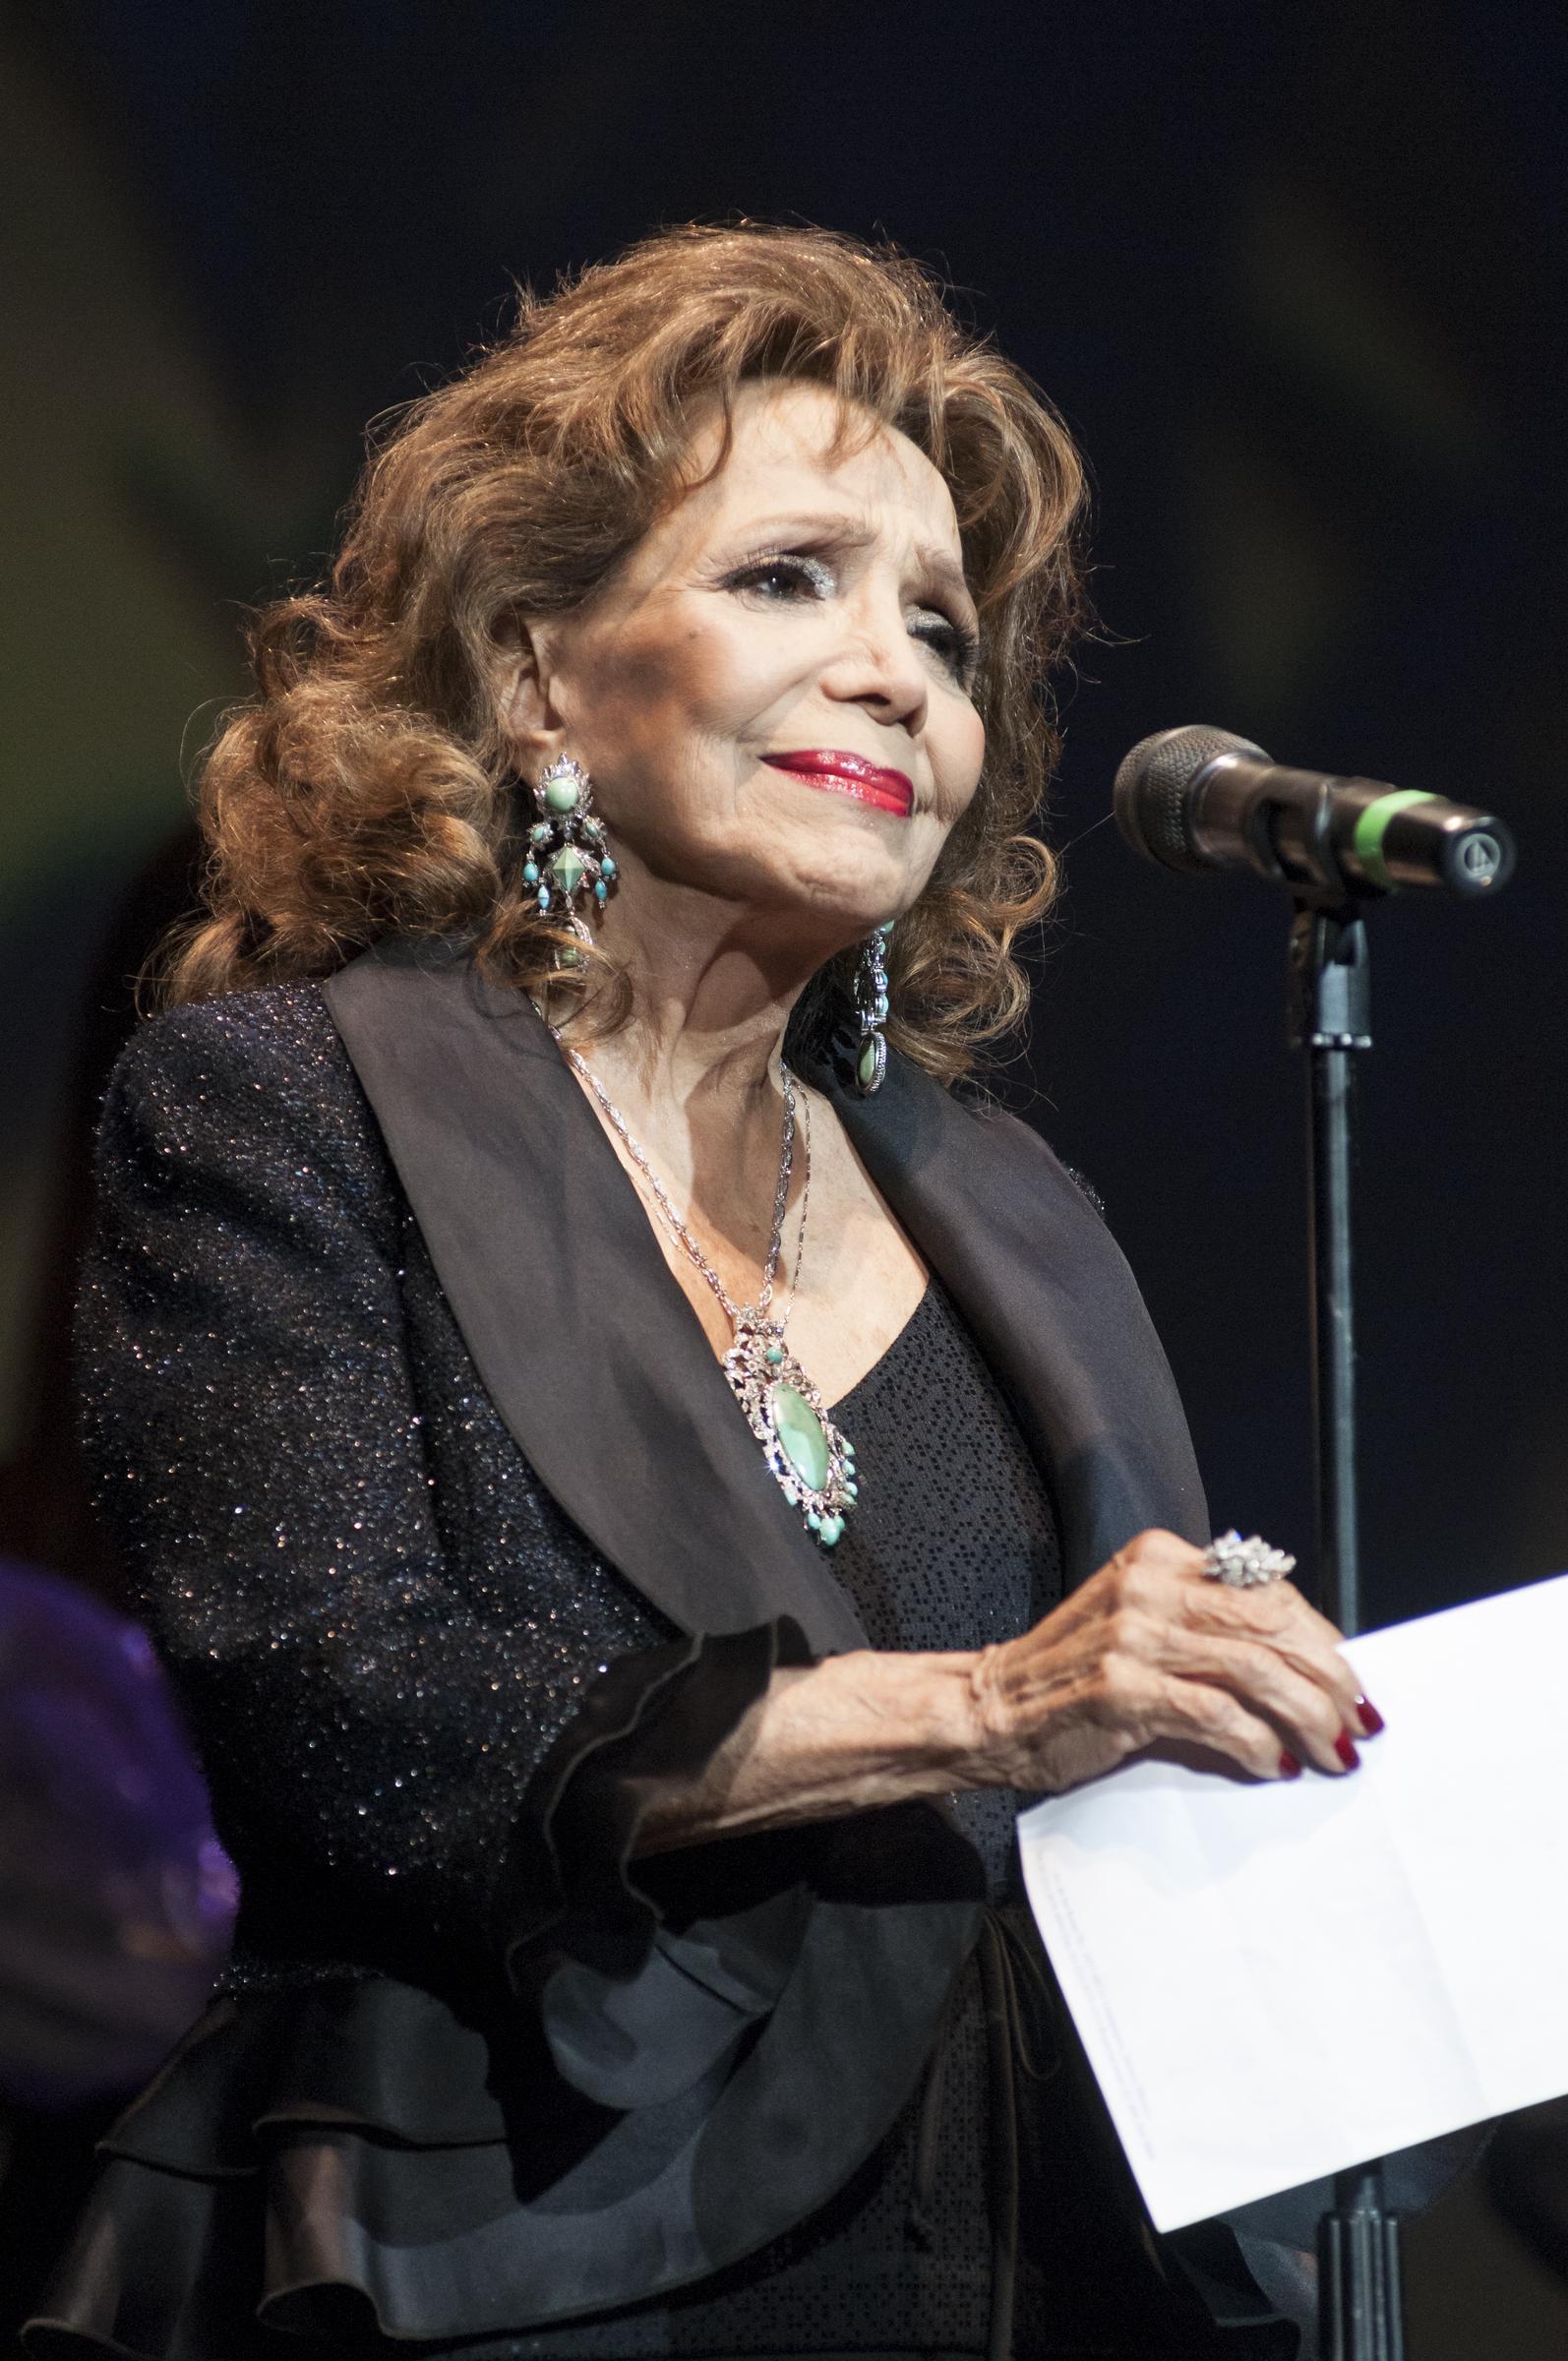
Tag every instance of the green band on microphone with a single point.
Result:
(1372, 827)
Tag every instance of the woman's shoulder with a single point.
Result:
(999, 1127)
(1036, 1143)
(259, 1075)
(241, 1034)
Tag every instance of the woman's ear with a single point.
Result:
(524, 707)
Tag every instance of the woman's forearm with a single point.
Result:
(845, 1735)
(1147, 1652)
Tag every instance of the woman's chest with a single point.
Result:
(952, 1542)
(847, 1278)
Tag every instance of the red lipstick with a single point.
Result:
(841, 773)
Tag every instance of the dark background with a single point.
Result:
(1295, 278)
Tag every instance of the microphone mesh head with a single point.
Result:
(1153, 784)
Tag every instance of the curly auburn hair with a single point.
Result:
(368, 788)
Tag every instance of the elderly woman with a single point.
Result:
(635, 1466)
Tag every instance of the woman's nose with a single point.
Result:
(880, 668)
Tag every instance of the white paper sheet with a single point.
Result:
(1275, 1981)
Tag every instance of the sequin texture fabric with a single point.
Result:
(379, 1620)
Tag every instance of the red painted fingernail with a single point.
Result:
(1290, 1768)
(1371, 1718)
(1345, 1748)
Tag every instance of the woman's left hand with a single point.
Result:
(1150, 1650)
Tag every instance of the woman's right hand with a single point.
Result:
(1152, 1649)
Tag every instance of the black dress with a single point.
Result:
(471, 2082)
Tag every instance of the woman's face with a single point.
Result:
(771, 692)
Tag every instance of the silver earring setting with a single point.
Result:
(871, 1012)
(568, 864)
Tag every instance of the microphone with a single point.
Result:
(1200, 798)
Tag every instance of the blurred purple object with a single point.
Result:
(116, 1899)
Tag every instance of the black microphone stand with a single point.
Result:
(1359, 2292)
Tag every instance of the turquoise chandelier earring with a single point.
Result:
(567, 868)
(871, 1012)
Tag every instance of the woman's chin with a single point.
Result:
(830, 887)
(853, 882)
(840, 911)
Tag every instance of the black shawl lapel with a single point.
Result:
(590, 1351)
(1050, 1301)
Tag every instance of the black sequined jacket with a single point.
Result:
(439, 1587)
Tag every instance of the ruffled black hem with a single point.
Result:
(568, 1887)
(672, 2085)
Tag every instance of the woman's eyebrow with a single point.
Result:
(947, 573)
(846, 531)
(842, 526)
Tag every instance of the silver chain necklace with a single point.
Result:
(813, 1462)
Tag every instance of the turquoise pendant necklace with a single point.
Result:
(811, 1461)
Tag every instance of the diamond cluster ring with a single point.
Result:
(1240, 1564)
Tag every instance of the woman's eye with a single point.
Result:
(790, 577)
(785, 578)
(956, 647)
